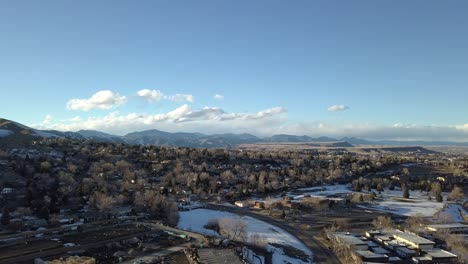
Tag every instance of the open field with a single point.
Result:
(290, 250)
(331, 146)
(449, 149)
(294, 146)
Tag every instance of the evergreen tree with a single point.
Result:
(438, 197)
(44, 213)
(5, 220)
(406, 192)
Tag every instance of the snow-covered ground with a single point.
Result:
(5, 132)
(327, 190)
(195, 220)
(454, 212)
(251, 257)
(418, 204)
(388, 200)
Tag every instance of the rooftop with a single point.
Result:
(448, 226)
(406, 250)
(411, 237)
(348, 238)
(369, 254)
(380, 250)
(383, 238)
(439, 253)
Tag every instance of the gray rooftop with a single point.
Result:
(412, 238)
(383, 238)
(439, 253)
(369, 254)
(448, 226)
(380, 250)
(348, 238)
(406, 250)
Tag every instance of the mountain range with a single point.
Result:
(12, 132)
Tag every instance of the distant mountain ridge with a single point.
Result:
(12, 132)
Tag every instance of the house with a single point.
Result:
(7, 191)
(242, 203)
(259, 205)
(34, 222)
(413, 240)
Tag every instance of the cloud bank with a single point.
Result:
(212, 120)
(183, 118)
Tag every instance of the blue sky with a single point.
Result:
(398, 68)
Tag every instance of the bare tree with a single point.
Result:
(235, 229)
(102, 201)
(415, 222)
(383, 222)
(456, 194)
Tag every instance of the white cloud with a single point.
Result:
(337, 108)
(463, 127)
(157, 95)
(151, 95)
(105, 99)
(181, 98)
(218, 97)
(75, 119)
(183, 118)
(47, 120)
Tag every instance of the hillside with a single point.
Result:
(13, 133)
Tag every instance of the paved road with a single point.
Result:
(321, 253)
